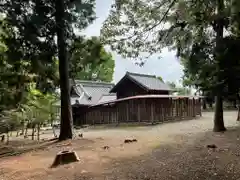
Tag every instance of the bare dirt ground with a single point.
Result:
(169, 151)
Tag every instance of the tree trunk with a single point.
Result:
(7, 136)
(66, 109)
(234, 104)
(33, 131)
(238, 116)
(204, 103)
(238, 106)
(218, 117)
(22, 133)
(54, 132)
(52, 124)
(26, 130)
(210, 104)
(3, 138)
(38, 131)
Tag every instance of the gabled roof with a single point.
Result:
(148, 82)
(89, 92)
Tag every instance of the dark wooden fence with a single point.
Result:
(144, 109)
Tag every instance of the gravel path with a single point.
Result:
(168, 151)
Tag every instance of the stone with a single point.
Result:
(212, 146)
(130, 140)
(106, 147)
(65, 157)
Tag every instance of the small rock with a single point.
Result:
(106, 147)
(127, 141)
(212, 146)
(130, 140)
(83, 171)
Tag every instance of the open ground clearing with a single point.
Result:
(174, 150)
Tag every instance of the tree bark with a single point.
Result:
(54, 132)
(26, 129)
(234, 104)
(210, 104)
(33, 131)
(22, 123)
(3, 138)
(238, 107)
(218, 117)
(204, 103)
(238, 116)
(66, 109)
(7, 136)
(38, 131)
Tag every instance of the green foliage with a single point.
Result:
(147, 26)
(39, 106)
(194, 29)
(160, 78)
(14, 75)
(189, 27)
(33, 31)
(10, 121)
(235, 8)
(32, 27)
(90, 61)
(37, 110)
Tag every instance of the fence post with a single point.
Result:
(127, 111)
(152, 117)
(139, 112)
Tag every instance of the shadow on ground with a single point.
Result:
(18, 149)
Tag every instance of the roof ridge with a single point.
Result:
(88, 81)
(109, 94)
(94, 82)
(138, 74)
(98, 85)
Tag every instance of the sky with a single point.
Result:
(167, 66)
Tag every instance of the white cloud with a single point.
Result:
(167, 66)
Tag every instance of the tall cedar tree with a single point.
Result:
(66, 109)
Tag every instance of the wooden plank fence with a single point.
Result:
(144, 109)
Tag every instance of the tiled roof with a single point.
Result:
(90, 91)
(151, 82)
(107, 97)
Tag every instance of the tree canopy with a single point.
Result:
(193, 28)
(90, 61)
(34, 27)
